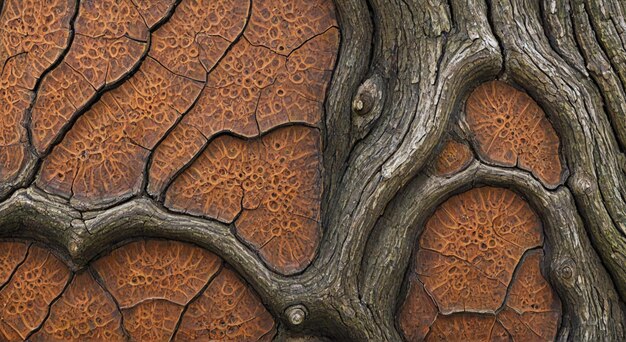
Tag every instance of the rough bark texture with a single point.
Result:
(397, 98)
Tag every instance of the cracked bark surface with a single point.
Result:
(390, 94)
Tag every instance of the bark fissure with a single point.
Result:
(412, 66)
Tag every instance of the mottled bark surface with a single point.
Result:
(347, 170)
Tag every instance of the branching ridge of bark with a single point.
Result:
(404, 72)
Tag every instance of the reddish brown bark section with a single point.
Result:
(156, 269)
(111, 38)
(11, 255)
(251, 91)
(128, 110)
(33, 35)
(227, 310)
(152, 320)
(102, 158)
(198, 34)
(532, 309)
(148, 290)
(271, 186)
(510, 129)
(474, 286)
(26, 298)
(418, 311)
(471, 246)
(84, 312)
(454, 157)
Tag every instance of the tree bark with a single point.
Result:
(404, 71)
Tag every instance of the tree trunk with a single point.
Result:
(404, 73)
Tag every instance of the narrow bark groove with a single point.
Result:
(394, 138)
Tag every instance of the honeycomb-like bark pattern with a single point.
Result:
(33, 35)
(11, 255)
(147, 290)
(468, 327)
(111, 38)
(25, 300)
(284, 25)
(198, 34)
(132, 93)
(102, 158)
(227, 310)
(510, 129)
(156, 269)
(110, 19)
(152, 320)
(479, 263)
(532, 309)
(454, 157)
(153, 11)
(83, 313)
(471, 246)
(270, 185)
(251, 91)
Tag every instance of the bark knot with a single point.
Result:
(566, 270)
(296, 314)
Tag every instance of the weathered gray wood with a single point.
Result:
(404, 71)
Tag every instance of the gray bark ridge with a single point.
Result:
(403, 74)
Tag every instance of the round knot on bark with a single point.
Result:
(362, 103)
(566, 270)
(296, 314)
(582, 182)
(73, 248)
(367, 96)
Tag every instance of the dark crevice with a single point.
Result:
(96, 276)
(494, 32)
(217, 135)
(161, 196)
(100, 92)
(17, 266)
(49, 308)
(194, 298)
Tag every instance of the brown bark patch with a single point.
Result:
(11, 255)
(198, 34)
(152, 320)
(510, 129)
(471, 246)
(153, 11)
(453, 158)
(102, 158)
(476, 286)
(271, 186)
(84, 312)
(252, 90)
(532, 309)
(33, 35)
(227, 310)
(156, 269)
(466, 327)
(162, 288)
(25, 300)
(418, 312)
(283, 25)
